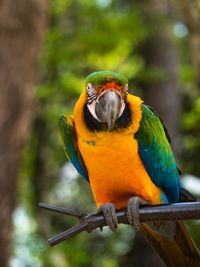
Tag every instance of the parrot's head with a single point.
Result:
(106, 95)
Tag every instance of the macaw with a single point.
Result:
(121, 147)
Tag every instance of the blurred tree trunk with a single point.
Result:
(160, 91)
(22, 25)
(161, 60)
(191, 15)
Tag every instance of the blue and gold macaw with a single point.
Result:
(121, 147)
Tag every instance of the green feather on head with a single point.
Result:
(102, 77)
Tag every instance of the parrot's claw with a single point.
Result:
(109, 212)
(133, 211)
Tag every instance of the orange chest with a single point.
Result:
(115, 169)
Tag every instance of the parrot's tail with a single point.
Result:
(181, 251)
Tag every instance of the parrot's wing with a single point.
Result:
(68, 136)
(156, 154)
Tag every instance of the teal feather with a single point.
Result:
(156, 154)
(68, 136)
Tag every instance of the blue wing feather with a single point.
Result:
(68, 136)
(156, 154)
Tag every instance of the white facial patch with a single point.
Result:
(91, 99)
(91, 108)
(91, 93)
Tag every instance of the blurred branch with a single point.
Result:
(177, 211)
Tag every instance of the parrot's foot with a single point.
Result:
(133, 211)
(109, 212)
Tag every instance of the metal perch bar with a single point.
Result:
(177, 211)
(65, 211)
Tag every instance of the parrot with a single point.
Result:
(121, 147)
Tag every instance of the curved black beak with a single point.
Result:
(108, 108)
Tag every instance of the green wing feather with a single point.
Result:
(68, 136)
(157, 156)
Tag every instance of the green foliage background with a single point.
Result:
(85, 36)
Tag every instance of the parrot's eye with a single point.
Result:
(125, 91)
(91, 93)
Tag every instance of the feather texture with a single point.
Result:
(156, 154)
(181, 251)
(68, 136)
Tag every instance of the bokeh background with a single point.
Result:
(47, 48)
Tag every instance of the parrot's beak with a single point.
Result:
(109, 107)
